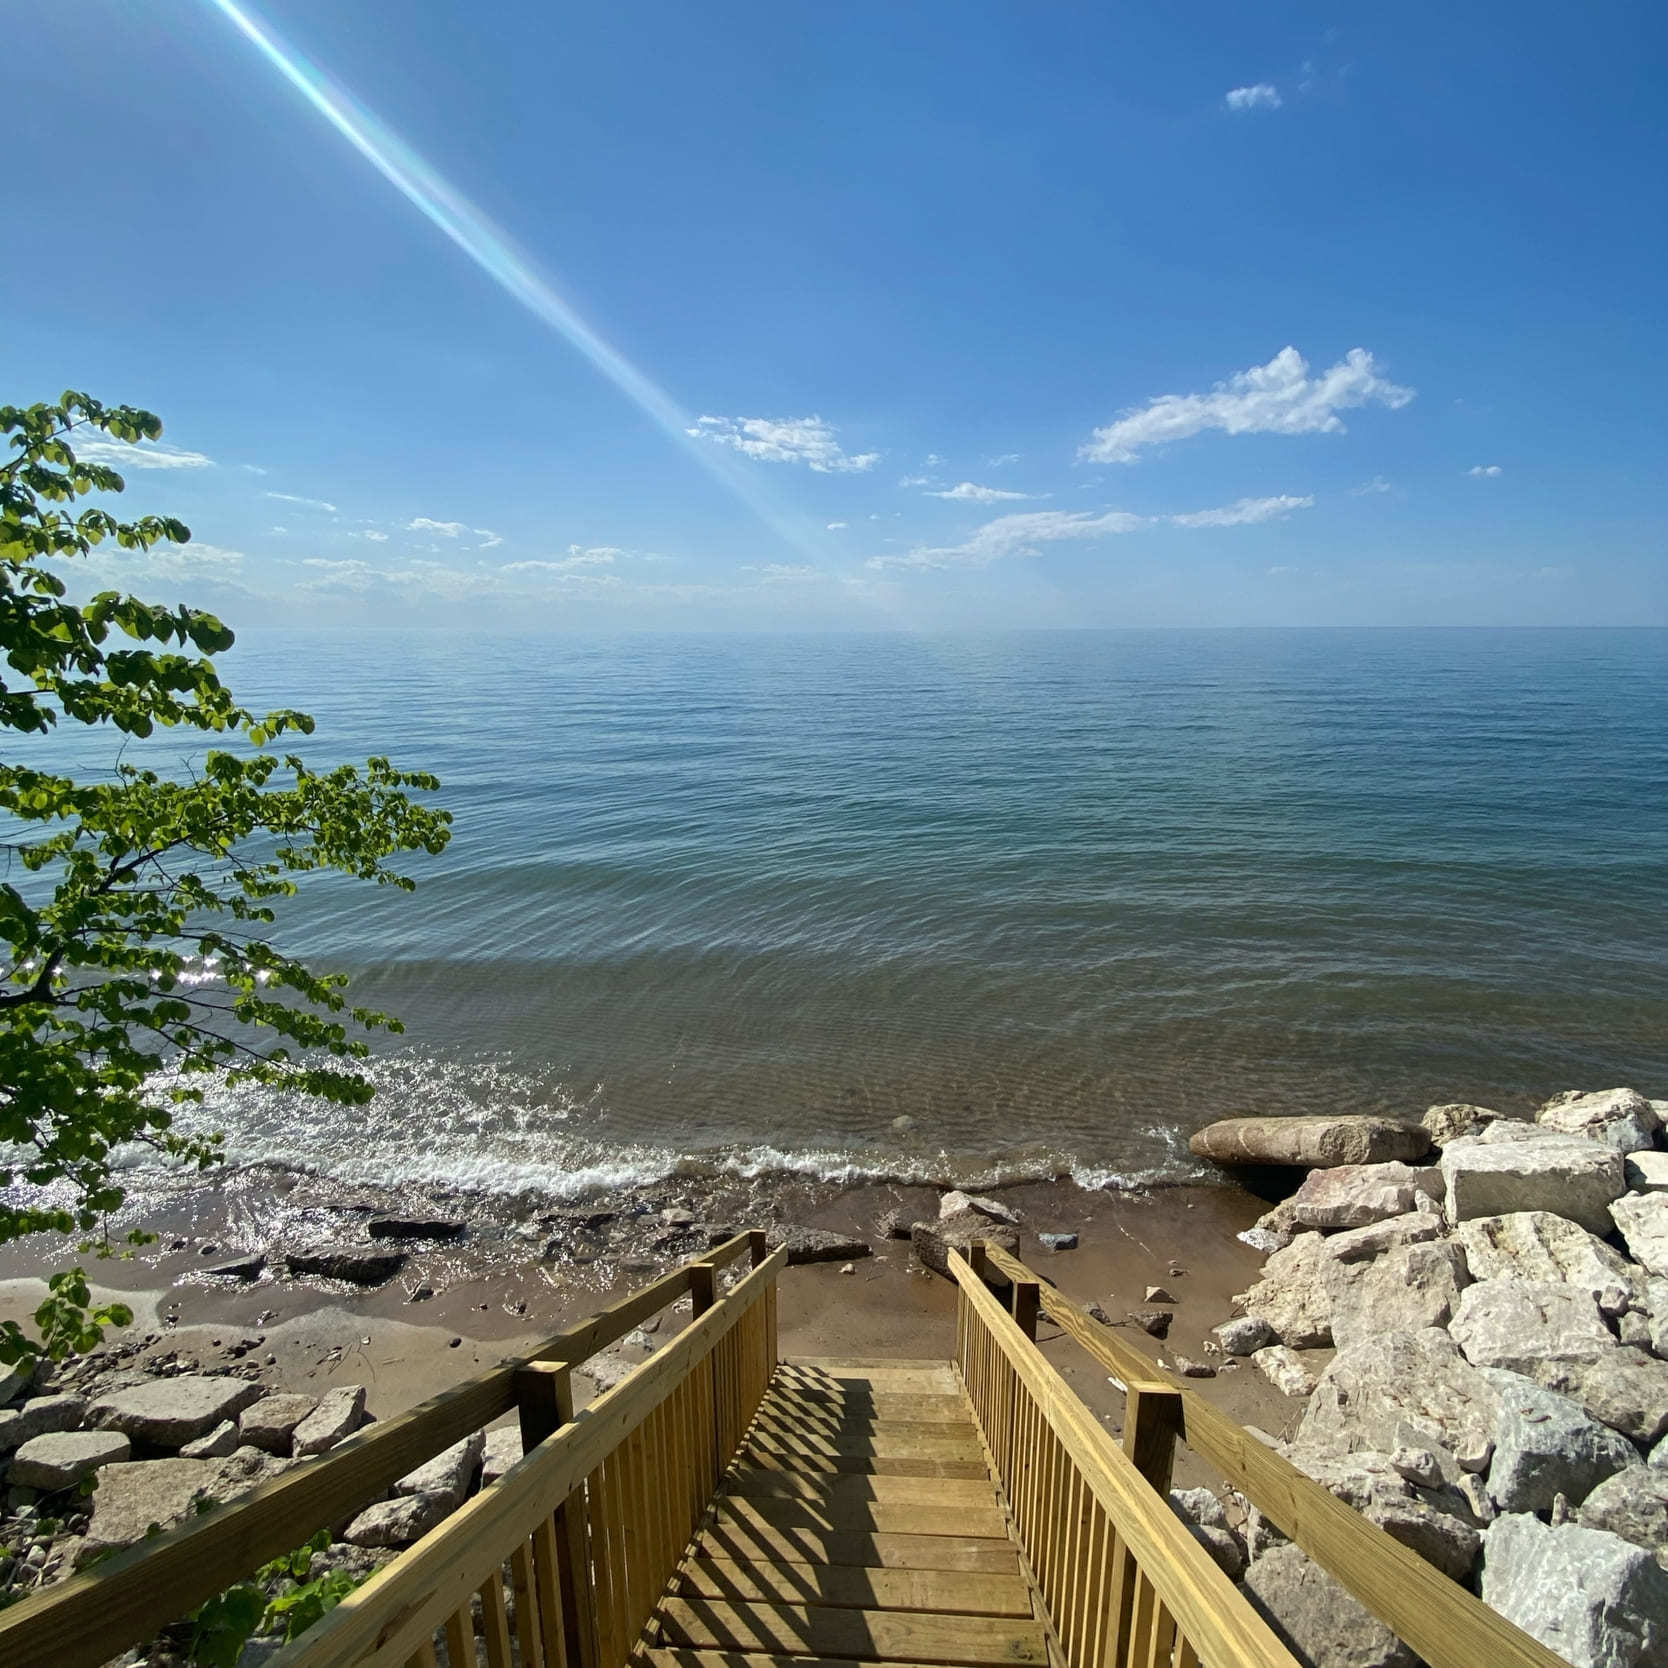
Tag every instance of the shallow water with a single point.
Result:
(1057, 898)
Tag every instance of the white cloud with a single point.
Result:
(807, 440)
(253, 469)
(446, 529)
(1369, 489)
(1002, 460)
(280, 529)
(931, 460)
(838, 526)
(914, 480)
(776, 572)
(1246, 513)
(1277, 571)
(489, 539)
(93, 446)
(374, 536)
(1485, 470)
(578, 557)
(310, 503)
(1277, 398)
(968, 493)
(1262, 96)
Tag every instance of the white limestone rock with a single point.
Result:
(1521, 1324)
(270, 1424)
(1310, 1142)
(1285, 1369)
(1449, 1121)
(397, 1522)
(218, 1443)
(38, 1417)
(1294, 1295)
(60, 1459)
(1594, 1598)
(1633, 1504)
(1244, 1335)
(1562, 1174)
(1646, 1172)
(339, 1414)
(1538, 1245)
(502, 1450)
(450, 1475)
(1405, 1290)
(170, 1412)
(1619, 1118)
(1624, 1388)
(1319, 1618)
(135, 1494)
(1642, 1220)
(1361, 1245)
(1356, 1195)
(1547, 1444)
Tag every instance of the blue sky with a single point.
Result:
(924, 316)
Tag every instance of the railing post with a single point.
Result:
(758, 1245)
(703, 1287)
(1025, 1302)
(544, 1396)
(1152, 1423)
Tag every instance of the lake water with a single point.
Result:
(741, 904)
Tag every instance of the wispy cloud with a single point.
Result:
(1262, 96)
(253, 469)
(93, 446)
(1368, 489)
(807, 440)
(1002, 460)
(968, 493)
(309, 503)
(489, 539)
(838, 526)
(445, 529)
(1277, 398)
(578, 557)
(1485, 470)
(374, 535)
(1246, 513)
(914, 480)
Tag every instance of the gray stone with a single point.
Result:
(502, 1450)
(358, 1265)
(243, 1469)
(450, 1475)
(1455, 1118)
(1619, 1118)
(1294, 1295)
(1642, 1219)
(1360, 1245)
(1285, 1370)
(1538, 1245)
(1625, 1388)
(1224, 1547)
(14, 1381)
(249, 1267)
(1547, 1444)
(1322, 1622)
(397, 1522)
(1403, 1388)
(38, 1417)
(1199, 1505)
(217, 1444)
(1244, 1335)
(819, 1245)
(1646, 1172)
(1419, 1466)
(1521, 1324)
(934, 1241)
(132, 1496)
(1057, 1242)
(270, 1423)
(169, 1412)
(1357, 1195)
(418, 1227)
(1633, 1504)
(1405, 1290)
(339, 1414)
(1310, 1143)
(955, 1201)
(1595, 1599)
(61, 1459)
(1562, 1174)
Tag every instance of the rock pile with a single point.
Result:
(1497, 1395)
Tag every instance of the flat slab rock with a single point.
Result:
(1561, 1174)
(1625, 1388)
(1539, 1245)
(819, 1245)
(358, 1265)
(1311, 1142)
(415, 1227)
(1597, 1600)
(1356, 1195)
(1642, 1220)
(1620, 1118)
(1521, 1324)
(35, 1418)
(450, 1475)
(170, 1412)
(133, 1496)
(934, 1241)
(61, 1459)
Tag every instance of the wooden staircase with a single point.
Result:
(860, 1521)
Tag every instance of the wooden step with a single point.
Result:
(930, 1377)
(881, 1404)
(758, 1483)
(878, 1441)
(809, 1462)
(866, 1517)
(669, 1656)
(756, 1541)
(797, 1424)
(863, 1635)
(969, 1593)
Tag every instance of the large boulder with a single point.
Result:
(1294, 1296)
(1594, 1598)
(36, 1418)
(1355, 1195)
(1403, 1388)
(415, 1227)
(1562, 1174)
(1646, 1172)
(1286, 1370)
(134, 1495)
(1633, 1504)
(1642, 1219)
(358, 1265)
(1521, 1324)
(1360, 1245)
(1405, 1290)
(1310, 1143)
(170, 1412)
(1539, 1245)
(270, 1424)
(339, 1414)
(1455, 1118)
(1318, 1617)
(1620, 1118)
(61, 1459)
(1625, 1388)
(450, 1474)
(397, 1522)
(934, 1241)
(1547, 1444)
(820, 1245)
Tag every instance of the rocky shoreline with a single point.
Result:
(1472, 1314)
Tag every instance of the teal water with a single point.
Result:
(1057, 898)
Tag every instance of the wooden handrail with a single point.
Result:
(1448, 1626)
(83, 1622)
(388, 1621)
(1217, 1622)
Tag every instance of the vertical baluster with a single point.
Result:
(552, 1621)
(1163, 1642)
(1141, 1623)
(495, 1624)
(607, 1522)
(529, 1634)
(460, 1638)
(423, 1656)
(1186, 1656)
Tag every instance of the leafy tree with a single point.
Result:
(117, 895)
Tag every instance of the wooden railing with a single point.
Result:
(127, 1599)
(1446, 1625)
(1125, 1584)
(590, 1524)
